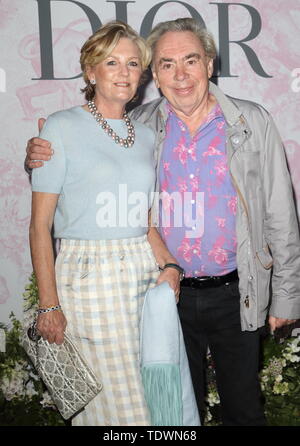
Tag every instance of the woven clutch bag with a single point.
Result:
(69, 380)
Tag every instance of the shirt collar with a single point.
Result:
(216, 112)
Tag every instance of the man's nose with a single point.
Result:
(180, 72)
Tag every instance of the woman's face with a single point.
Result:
(117, 77)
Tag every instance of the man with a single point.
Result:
(226, 157)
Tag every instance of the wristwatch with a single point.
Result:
(175, 266)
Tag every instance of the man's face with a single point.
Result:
(181, 70)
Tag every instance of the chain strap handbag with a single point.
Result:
(69, 380)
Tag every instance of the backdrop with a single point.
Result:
(259, 49)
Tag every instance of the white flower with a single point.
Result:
(278, 378)
(34, 376)
(12, 388)
(292, 358)
(281, 388)
(30, 390)
(47, 400)
(293, 346)
(213, 399)
(20, 366)
(264, 378)
(283, 362)
(208, 416)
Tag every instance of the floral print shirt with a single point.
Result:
(197, 199)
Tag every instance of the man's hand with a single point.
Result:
(277, 322)
(38, 149)
(172, 276)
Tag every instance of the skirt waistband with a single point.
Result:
(117, 245)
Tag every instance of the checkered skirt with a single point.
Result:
(101, 286)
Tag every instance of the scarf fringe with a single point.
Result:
(163, 394)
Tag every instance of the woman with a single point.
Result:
(105, 263)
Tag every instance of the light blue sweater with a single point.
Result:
(105, 190)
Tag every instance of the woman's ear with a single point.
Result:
(89, 73)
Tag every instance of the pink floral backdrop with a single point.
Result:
(23, 99)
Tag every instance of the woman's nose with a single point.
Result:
(124, 69)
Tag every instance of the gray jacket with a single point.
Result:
(268, 245)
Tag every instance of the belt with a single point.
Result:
(209, 281)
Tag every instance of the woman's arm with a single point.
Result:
(50, 325)
(163, 256)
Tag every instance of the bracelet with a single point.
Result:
(47, 310)
(175, 266)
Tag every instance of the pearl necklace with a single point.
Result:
(126, 142)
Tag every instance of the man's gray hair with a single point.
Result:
(180, 25)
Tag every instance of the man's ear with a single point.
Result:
(154, 75)
(210, 68)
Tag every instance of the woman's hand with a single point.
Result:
(51, 326)
(172, 276)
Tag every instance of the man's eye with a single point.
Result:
(192, 62)
(167, 66)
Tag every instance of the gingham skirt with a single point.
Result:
(101, 286)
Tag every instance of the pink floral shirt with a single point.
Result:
(198, 201)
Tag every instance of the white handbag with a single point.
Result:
(69, 380)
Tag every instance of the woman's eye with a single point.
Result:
(111, 62)
(133, 64)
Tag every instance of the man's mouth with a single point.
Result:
(183, 91)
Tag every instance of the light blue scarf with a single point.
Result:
(164, 365)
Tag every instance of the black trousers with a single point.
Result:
(211, 317)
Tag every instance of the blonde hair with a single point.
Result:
(100, 45)
(180, 25)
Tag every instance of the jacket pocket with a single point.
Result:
(265, 257)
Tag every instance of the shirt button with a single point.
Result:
(190, 151)
(192, 175)
(195, 251)
(250, 277)
(193, 201)
(193, 228)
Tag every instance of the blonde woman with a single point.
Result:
(105, 264)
